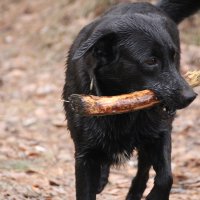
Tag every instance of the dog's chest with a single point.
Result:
(115, 137)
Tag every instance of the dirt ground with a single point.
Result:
(36, 151)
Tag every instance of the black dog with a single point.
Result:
(132, 47)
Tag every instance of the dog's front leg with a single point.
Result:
(87, 179)
(139, 182)
(161, 160)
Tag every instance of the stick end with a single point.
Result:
(76, 103)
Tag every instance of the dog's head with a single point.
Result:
(136, 51)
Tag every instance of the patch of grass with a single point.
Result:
(18, 165)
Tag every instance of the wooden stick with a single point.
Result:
(89, 105)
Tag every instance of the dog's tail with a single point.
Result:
(179, 9)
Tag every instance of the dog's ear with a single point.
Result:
(105, 50)
(103, 45)
(178, 10)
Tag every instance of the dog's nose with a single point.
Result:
(188, 97)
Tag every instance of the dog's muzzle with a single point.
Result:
(175, 101)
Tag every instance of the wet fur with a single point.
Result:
(110, 51)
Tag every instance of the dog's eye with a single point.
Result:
(151, 61)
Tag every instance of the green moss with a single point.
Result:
(18, 165)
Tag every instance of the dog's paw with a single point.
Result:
(135, 197)
(154, 196)
(101, 186)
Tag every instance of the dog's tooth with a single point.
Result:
(164, 109)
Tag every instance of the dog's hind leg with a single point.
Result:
(105, 169)
(139, 182)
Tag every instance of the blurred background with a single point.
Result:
(36, 151)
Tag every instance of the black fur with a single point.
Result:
(130, 48)
(179, 9)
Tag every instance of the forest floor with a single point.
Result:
(36, 151)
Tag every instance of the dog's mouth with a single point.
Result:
(167, 107)
(165, 111)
